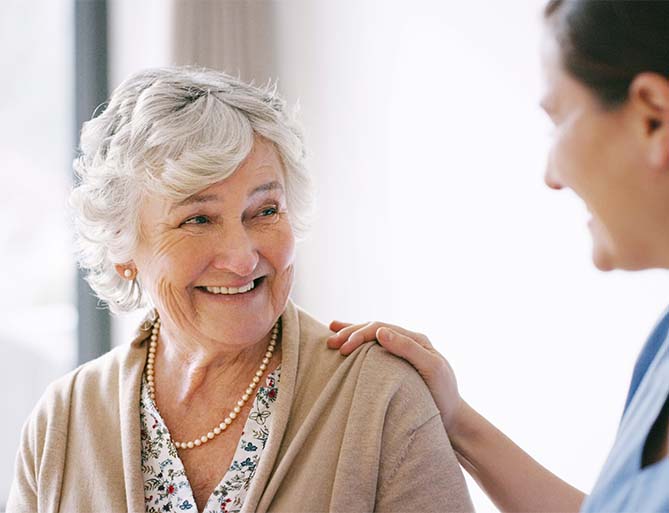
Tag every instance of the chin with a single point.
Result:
(603, 259)
(608, 261)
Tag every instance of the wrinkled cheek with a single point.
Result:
(280, 254)
(282, 287)
(173, 302)
(165, 286)
(284, 256)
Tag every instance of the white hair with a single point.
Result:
(171, 132)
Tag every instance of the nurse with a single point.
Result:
(606, 67)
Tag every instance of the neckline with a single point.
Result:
(661, 444)
(212, 500)
(626, 454)
(263, 489)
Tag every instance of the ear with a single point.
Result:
(127, 271)
(649, 98)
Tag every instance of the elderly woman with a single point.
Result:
(192, 190)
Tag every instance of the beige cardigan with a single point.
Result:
(348, 434)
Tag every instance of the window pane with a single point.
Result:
(37, 312)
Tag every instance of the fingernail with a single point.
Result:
(386, 333)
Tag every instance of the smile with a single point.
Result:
(231, 290)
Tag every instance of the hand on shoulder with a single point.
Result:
(413, 347)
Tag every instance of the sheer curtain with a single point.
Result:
(38, 316)
(238, 37)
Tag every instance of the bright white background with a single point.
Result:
(428, 149)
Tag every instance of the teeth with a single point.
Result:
(231, 290)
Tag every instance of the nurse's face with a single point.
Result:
(606, 157)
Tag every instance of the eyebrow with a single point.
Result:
(204, 198)
(269, 186)
(195, 198)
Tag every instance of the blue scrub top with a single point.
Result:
(623, 486)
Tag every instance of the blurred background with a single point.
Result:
(428, 148)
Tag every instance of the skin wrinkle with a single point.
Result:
(210, 347)
(223, 246)
(138, 147)
(204, 198)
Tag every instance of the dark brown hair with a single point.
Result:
(606, 43)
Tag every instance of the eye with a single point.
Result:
(196, 220)
(268, 211)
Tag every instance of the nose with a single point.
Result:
(235, 251)
(550, 176)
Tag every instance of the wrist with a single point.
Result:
(460, 425)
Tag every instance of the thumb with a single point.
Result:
(405, 347)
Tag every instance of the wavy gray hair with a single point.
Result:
(171, 131)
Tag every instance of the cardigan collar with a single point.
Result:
(262, 489)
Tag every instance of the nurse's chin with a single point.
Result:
(603, 258)
(607, 260)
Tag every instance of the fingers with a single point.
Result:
(335, 341)
(352, 336)
(355, 336)
(338, 325)
(361, 333)
(408, 348)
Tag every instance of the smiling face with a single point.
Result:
(219, 265)
(606, 157)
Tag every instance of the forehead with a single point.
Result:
(262, 165)
(560, 89)
(551, 65)
(262, 157)
(261, 171)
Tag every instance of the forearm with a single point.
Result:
(510, 477)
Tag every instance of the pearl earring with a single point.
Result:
(128, 273)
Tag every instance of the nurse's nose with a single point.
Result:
(550, 176)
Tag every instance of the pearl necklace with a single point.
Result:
(150, 373)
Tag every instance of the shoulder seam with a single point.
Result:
(403, 455)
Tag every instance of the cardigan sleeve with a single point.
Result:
(41, 455)
(23, 492)
(418, 469)
(425, 475)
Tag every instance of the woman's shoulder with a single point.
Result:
(90, 384)
(387, 376)
(314, 333)
(408, 394)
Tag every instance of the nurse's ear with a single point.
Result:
(649, 99)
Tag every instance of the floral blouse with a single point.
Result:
(166, 486)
